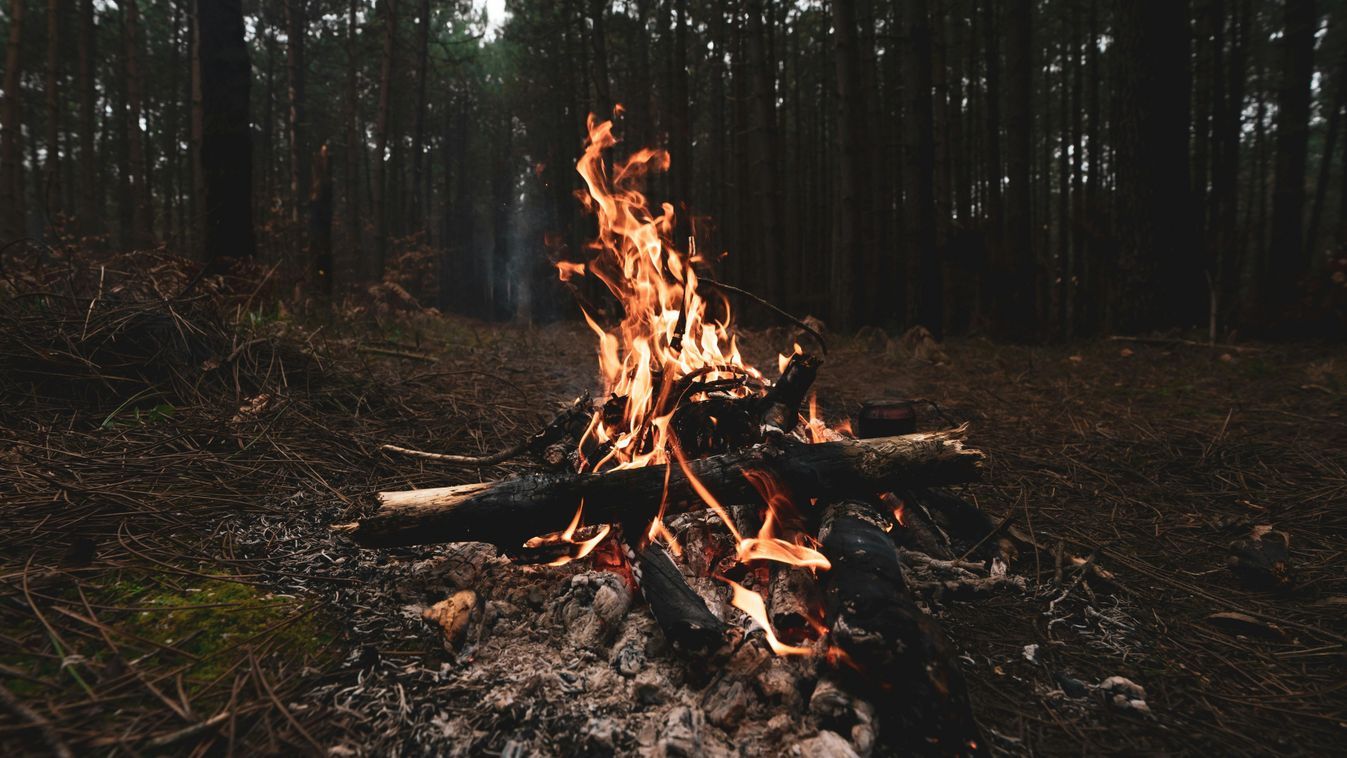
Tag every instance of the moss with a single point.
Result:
(205, 626)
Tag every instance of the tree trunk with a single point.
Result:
(1013, 270)
(1156, 285)
(51, 189)
(90, 219)
(226, 139)
(354, 146)
(763, 155)
(296, 29)
(12, 221)
(419, 197)
(1338, 102)
(851, 168)
(197, 197)
(378, 180)
(320, 225)
(1284, 263)
(603, 100)
(141, 218)
(919, 175)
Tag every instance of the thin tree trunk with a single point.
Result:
(51, 191)
(378, 179)
(1014, 294)
(603, 100)
(1285, 262)
(89, 215)
(763, 155)
(419, 198)
(354, 147)
(296, 30)
(141, 221)
(851, 174)
(920, 170)
(12, 221)
(226, 139)
(1339, 84)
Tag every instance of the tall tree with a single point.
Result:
(378, 172)
(419, 129)
(226, 137)
(763, 155)
(851, 169)
(1013, 266)
(1285, 262)
(919, 173)
(141, 202)
(12, 220)
(296, 31)
(51, 189)
(1156, 282)
(90, 219)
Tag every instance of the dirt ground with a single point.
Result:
(169, 581)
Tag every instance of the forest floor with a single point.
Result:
(169, 581)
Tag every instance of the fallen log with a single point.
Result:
(508, 512)
(886, 649)
(681, 613)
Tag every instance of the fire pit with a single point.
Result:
(753, 529)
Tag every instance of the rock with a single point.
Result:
(452, 616)
(825, 744)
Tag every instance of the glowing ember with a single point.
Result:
(752, 605)
(580, 549)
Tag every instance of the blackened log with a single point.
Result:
(681, 613)
(890, 652)
(781, 404)
(508, 512)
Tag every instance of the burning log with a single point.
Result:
(887, 648)
(681, 613)
(508, 512)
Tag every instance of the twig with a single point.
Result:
(823, 346)
(187, 732)
(996, 530)
(554, 430)
(396, 353)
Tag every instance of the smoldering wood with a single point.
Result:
(508, 512)
(680, 612)
(895, 656)
(792, 592)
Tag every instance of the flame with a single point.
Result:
(767, 545)
(581, 549)
(752, 605)
(667, 331)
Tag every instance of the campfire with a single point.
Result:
(752, 527)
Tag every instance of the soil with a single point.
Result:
(170, 580)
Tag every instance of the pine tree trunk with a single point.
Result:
(919, 174)
(141, 215)
(851, 169)
(1285, 262)
(763, 155)
(378, 169)
(51, 190)
(296, 29)
(90, 219)
(226, 139)
(603, 100)
(1013, 266)
(12, 221)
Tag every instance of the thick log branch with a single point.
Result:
(894, 654)
(508, 512)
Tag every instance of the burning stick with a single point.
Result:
(511, 511)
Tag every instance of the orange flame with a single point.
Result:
(752, 605)
(581, 549)
(666, 331)
(767, 545)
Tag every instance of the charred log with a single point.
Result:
(508, 512)
(681, 613)
(889, 651)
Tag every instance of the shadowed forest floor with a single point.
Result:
(172, 465)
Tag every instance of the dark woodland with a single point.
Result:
(668, 378)
(1027, 170)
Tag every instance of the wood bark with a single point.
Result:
(894, 654)
(1014, 296)
(1284, 262)
(851, 169)
(296, 30)
(509, 512)
(378, 168)
(142, 218)
(90, 220)
(226, 139)
(51, 184)
(920, 170)
(12, 219)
